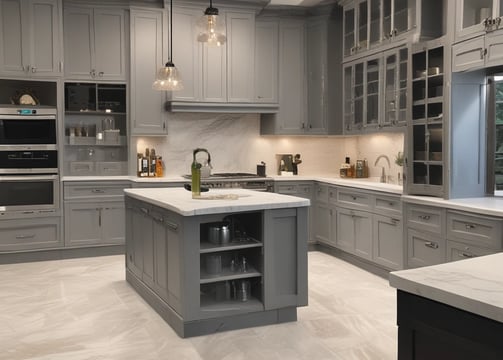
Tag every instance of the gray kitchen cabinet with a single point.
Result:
(266, 60)
(478, 53)
(354, 232)
(291, 119)
(216, 78)
(370, 25)
(320, 226)
(94, 213)
(376, 92)
(31, 37)
(426, 243)
(30, 234)
(95, 43)
(475, 18)
(148, 116)
(428, 158)
(388, 241)
(300, 189)
(94, 223)
(459, 251)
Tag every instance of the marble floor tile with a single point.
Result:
(80, 309)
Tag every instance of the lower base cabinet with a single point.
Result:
(354, 232)
(388, 241)
(30, 234)
(94, 223)
(424, 249)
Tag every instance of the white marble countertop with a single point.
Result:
(180, 200)
(474, 285)
(491, 206)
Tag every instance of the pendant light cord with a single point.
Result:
(171, 32)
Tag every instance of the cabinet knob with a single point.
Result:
(33, 69)
(101, 73)
(93, 73)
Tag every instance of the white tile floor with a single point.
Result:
(83, 309)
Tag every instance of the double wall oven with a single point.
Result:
(29, 172)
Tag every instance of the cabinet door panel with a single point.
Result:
(494, 47)
(321, 223)
(388, 242)
(44, 37)
(160, 257)
(363, 234)
(82, 224)
(78, 42)
(214, 73)
(147, 111)
(468, 55)
(30, 234)
(109, 43)
(11, 41)
(266, 61)
(113, 223)
(241, 57)
(316, 58)
(424, 249)
(345, 239)
(187, 54)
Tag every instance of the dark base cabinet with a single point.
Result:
(431, 330)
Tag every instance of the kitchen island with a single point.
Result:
(200, 281)
(452, 310)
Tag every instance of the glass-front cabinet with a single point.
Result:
(399, 16)
(476, 17)
(395, 87)
(95, 129)
(426, 133)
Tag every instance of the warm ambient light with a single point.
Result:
(211, 27)
(168, 77)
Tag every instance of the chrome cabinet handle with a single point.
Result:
(144, 210)
(31, 236)
(158, 219)
(466, 255)
(470, 226)
(99, 217)
(424, 217)
(98, 191)
(431, 245)
(93, 72)
(172, 225)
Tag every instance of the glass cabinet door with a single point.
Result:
(349, 31)
(390, 87)
(375, 22)
(473, 13)
(363, 26)
(348, 97)
(358, 96)
(386, 18)
(403, 60)
(404, 16)
(372, 95)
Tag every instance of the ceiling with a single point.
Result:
(296, 2)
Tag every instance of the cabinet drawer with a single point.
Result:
(478, 230)
(289, 189)
(92, 191)
(459, 251)
(305, 191)
(321, 193)
(426, 218)
(353, 199)
(388, 204)
(424, 249)
(30, 234)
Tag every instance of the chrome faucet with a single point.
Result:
(383, 174)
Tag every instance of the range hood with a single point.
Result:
(222, 107)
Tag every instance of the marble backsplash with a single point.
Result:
(235, 144)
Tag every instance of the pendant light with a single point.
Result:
(211, 27)
(168, 77)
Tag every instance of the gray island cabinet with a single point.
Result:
(200, 283)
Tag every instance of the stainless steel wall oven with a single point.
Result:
(29, 171)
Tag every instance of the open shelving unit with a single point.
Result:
(426, 172)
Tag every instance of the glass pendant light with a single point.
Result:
(211, 27)
(168, 77)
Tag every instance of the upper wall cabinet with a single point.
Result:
(216, 78)
(95, 43)
(372, 24)
(148, 116)
(266, 61)
(476, 17)
(30, 38)
(375, 92)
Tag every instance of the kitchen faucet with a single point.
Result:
(383, 174)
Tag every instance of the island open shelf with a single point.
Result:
(257, 276)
